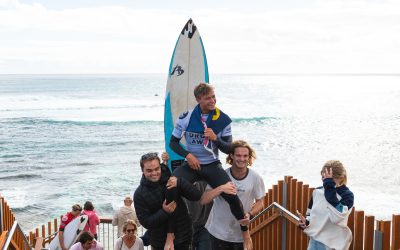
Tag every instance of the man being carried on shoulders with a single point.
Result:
(206, 130)
(251, 191)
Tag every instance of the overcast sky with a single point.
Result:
(136, 36)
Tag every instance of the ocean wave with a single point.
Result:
(38, 121)
(29, 208)
(29, 121)
(253, 119)
(11, 156)
(142, 106)
(20, 176)
(83, 164)
(13, 161)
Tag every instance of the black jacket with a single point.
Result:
(148, 200)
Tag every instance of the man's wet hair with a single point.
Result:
(202, 89)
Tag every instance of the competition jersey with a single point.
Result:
(195, 137)
(67, 218)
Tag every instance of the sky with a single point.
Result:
(240, 37)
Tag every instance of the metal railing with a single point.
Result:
(281, 213)
(10, 236)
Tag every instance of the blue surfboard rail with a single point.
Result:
(169, 123)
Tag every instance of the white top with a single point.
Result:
(120, 245)
(95, 246)
(327, 224)
(221, 223)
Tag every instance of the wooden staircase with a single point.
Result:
(275, 228)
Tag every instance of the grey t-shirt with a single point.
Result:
(221, 223)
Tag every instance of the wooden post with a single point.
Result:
(358, 230)
(299, 234)
(369, 232)
(276, 233)
(396, 232)
(55, 225)
(292, 208)
(385, 228)
(32, 238)
(265, 239)
(270, 230)
(304, 204)
(350, 224)
(279, 200)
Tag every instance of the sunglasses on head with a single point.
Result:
(149, 156)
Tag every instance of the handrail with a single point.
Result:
(283, 212)
(1, 217)
(3, 237)
(11, 233)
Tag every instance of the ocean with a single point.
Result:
(65, 139)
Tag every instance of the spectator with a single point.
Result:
(87, 242)
(129, 241)
(93, 219)
(126, 212)
(65, 220)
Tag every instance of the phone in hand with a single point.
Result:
(302, 220)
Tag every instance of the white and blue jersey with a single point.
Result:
(190, 125)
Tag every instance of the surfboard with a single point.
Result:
(188, 68)
(71, 233)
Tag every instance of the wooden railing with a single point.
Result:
(106, 233)
(46, 233)
(11, 235)
(275, 230)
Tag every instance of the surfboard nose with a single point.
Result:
(189, 29)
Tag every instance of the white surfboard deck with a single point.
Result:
(187, 69)
(71, 233)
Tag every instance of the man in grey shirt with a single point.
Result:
(222, 226)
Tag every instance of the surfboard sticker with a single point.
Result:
(188, 68)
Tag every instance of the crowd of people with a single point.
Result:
(202, 206)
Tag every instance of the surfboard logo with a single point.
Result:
(189, 29)
(182, 116)
(178, 69)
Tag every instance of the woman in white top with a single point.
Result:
(329, 210)
(129, 241)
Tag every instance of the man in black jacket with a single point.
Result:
(169, 225)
